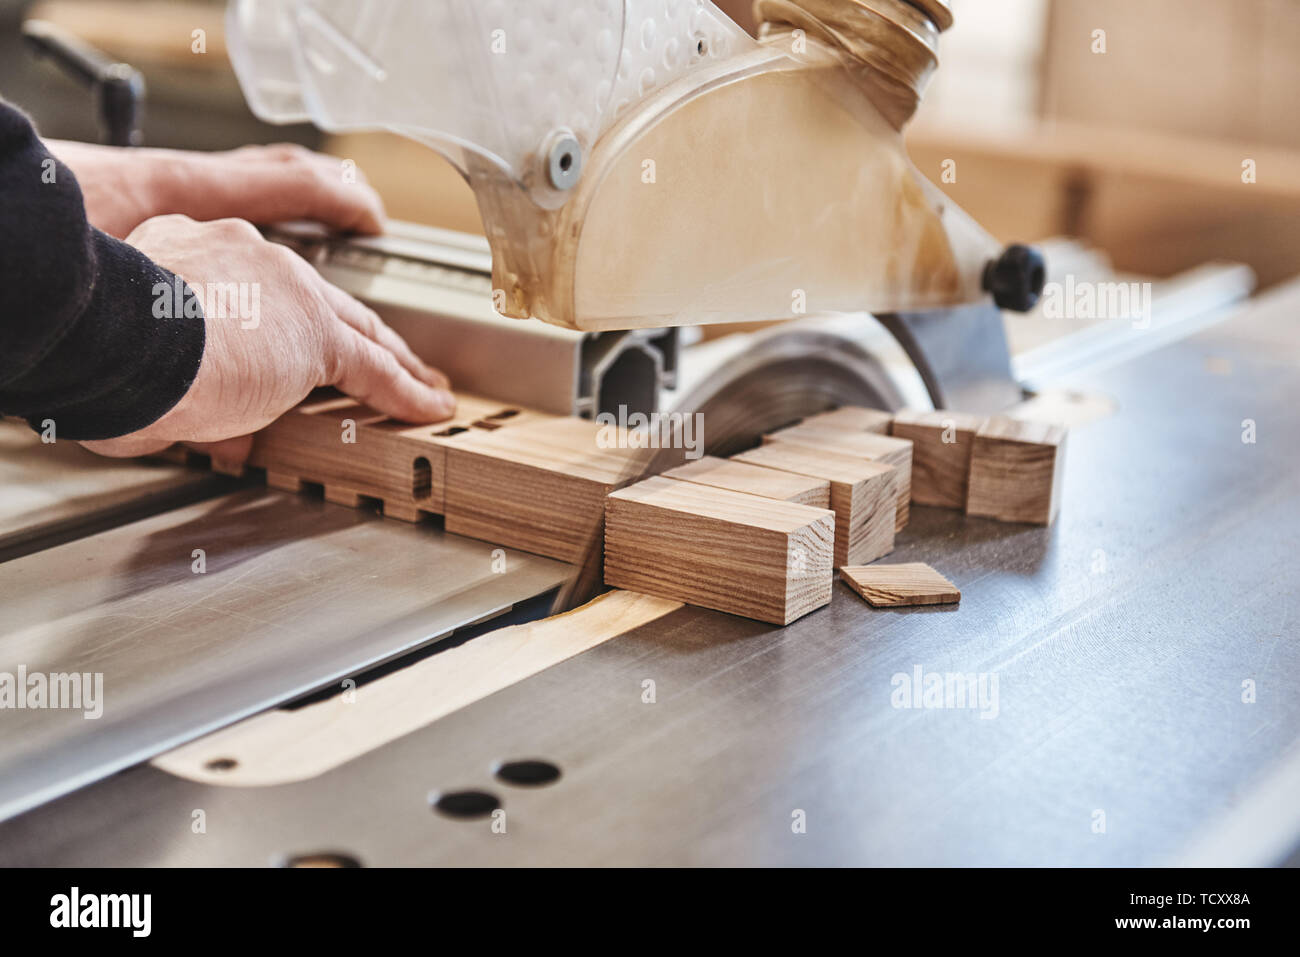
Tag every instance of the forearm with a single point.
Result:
(80, 343)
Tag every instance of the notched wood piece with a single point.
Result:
(1016, 471)
(868, 445)
(769, 483)
(909, 583)
(539, 486)
(942, 442)
(863, 495)
(758, 557)
(357, 452)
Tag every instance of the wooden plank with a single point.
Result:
(910, 583)
(539, 486)
(769, 483)
(854, 418)
(356, 452)
(942, 441)
(280, 746)
(1016, 469)
(730, 551)
(863, 495)
(868, 445)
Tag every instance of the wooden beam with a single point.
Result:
(867, 445)
(911, 583)
(357, 453)
(730, 551)
(863, 496)
(769, 483)
(539, 486)
(1015, 473)
(942, 442)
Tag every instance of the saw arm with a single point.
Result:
(645, 163)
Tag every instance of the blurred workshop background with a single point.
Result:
(1131, 140)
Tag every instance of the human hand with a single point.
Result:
(300, 333)
(262, 184)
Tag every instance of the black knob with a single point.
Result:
(1016, 277)
(118, 89)
(121, 99)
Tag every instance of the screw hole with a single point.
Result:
(221, 764)
(531, 773)
(465, 804)
(566, 162)
(701, 46)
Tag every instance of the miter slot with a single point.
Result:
(525, 611)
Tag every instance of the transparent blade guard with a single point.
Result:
(493, 77)
(723, 179)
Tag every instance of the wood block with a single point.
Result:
(353, 450)
(941, 448)
(912, 583)
(868, 445)
(539, 486)
(1015, 472)
(343, 496)
(285, 483)
(863, 495)
(222, 468)
(769, 483)
(853, 418)
(402, 512)
(752, 556)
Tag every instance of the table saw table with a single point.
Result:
(1144, 649)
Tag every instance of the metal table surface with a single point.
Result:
(59, 491)
(1120, 638)
(293, 593)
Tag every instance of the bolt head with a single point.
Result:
(564, 160)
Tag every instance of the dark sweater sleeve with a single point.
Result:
(87, 335)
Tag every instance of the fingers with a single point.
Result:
(281, 183)
(365, 321)
(367, 371)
